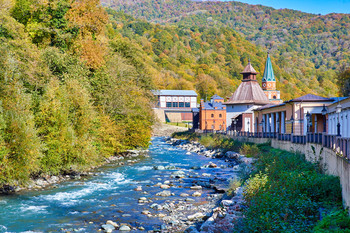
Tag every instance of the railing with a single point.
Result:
(340, 145)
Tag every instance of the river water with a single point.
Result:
(84, 205)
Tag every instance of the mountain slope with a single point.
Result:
(310, 47)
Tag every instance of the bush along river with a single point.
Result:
(177, 186)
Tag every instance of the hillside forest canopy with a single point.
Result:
(76, 77)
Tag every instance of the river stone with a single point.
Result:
(124, 228)
(145, 212)
(156, 206)
(189, 200)
(164, 193)
(108, 228)
(164, 186)
(227, 202)
(110, 222)
(197, 187)
(138, 188)
(206, 175)
(196, 194)
(212, 165)
(195, 216)
(184, 195)
(179, 174)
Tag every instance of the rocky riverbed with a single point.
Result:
(185, 212)
(176, 186)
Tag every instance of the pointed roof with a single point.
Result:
(249, 69)
(216, 97)
(268, 72)
(249, 93)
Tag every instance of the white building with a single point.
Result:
(175, 105)
(342, 116)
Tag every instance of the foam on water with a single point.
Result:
(144, 168)
(73, 197)
(32, 208)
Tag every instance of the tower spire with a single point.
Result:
(269, 82)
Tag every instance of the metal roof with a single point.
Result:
(249, 93)
(216, 97)
(175, 92)
(213, 105)
(268, 72)
(310, 98)
(249, 69)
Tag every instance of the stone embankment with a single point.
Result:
(182, 211)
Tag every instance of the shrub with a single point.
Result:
(336, 221)
(233, 185)
(249, 150)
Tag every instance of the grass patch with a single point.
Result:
(180, 124)
(284, 193)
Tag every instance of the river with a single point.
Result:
(84, 205)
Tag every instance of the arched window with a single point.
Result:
(220, 115)
(212, 115)
(274, 97)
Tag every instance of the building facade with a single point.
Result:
(175, 105)
(298, 116)
(212, 114)
(339, 121)
(248, 96)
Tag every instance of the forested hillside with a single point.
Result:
(310, 48)
(72, 90)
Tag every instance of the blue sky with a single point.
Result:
(310, 6)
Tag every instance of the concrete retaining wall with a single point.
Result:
(333, 164)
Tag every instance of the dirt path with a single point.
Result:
(161, 129)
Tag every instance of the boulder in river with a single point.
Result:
(164, 193)
(108, 228)
(179, 174)
(110, 222)
(196, 194)
(196, 187)
(124, 228)
(164, 186)
(195, 216)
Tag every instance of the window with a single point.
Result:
(220, 115)
(181, 104)
(175, 104)
(274, 97)
(168, 104)
(187, 104)
(212, 115)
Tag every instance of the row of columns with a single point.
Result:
(344, 120)
(274, 122)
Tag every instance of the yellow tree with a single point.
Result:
(90, 19)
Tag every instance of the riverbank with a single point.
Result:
(166, 130)
(284, 192)
(226, 209)
(51, 181)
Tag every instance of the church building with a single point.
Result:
(269, 83)
(248, 96)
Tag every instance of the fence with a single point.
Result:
(338, 144)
